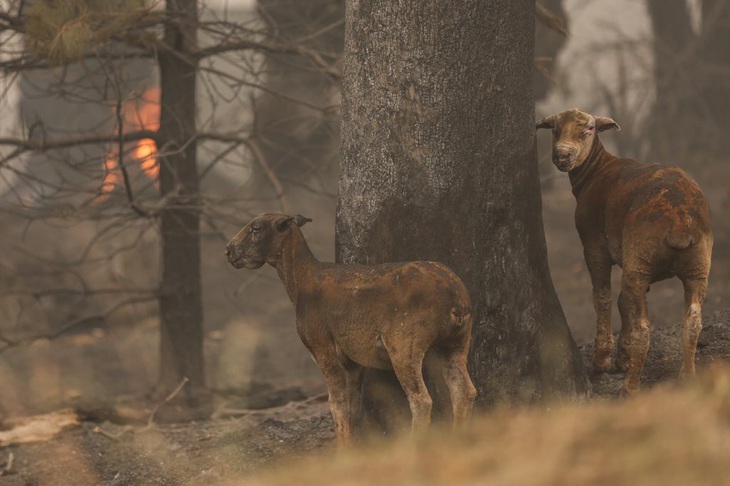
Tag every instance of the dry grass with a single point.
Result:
(671, 435)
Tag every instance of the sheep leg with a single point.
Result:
(460, 386)
(633, 287)
(599, 267)
(694, 294)
(408, 367)
(353, 375)
(623, 353)
(336, 380)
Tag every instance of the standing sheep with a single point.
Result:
(378, 316)
(652, 221)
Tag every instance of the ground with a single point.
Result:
(113, 446)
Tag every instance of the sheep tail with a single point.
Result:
(679, 238)
(460, 316)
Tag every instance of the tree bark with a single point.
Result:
(439, 163)
(181, 308)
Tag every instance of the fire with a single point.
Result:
(140, 113)
(146, 153)
(111, 175)
(145, 115)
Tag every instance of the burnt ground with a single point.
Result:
(279, 413)
(240, 439)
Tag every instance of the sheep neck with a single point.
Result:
(295, 263)
(581, 176)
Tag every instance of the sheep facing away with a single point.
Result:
(378, 316)
(651, 220)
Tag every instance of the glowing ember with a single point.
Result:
(146, 153)
(111, 178)
(142, 113)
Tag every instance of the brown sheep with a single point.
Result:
(650, 220)
(378, 316)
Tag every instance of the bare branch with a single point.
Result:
(270, 174)
(168, 398)
(550, 19)
(98, 320)
(329, 68)
(266, 89)
(45, 145)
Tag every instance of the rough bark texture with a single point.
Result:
(438, 163)
(181, 308)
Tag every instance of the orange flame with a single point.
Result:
(143, 113)
(146, 153)
(111, 176)
(140, 113)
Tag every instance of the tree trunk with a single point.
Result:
(676, 89)
(715, 56)
(692, 81)
(181, 309)
(438, 163)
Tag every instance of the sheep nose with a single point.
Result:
(228, 250)
(561, 153)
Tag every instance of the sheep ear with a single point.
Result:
(547, 122)
(284, 224)
(604, 123)
(301, 220)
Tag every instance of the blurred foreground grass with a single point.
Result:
(670, 435)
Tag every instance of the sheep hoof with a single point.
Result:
(686, 373)
(600, 371)
(602, 365)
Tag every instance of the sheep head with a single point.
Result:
(262, 240)
(574, 132)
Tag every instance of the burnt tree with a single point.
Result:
(692, 81)
(438, 162)
(715, 56)
(181, 307)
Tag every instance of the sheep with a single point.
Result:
(650, 220)
(351, 317)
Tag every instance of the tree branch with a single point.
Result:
(45, 145)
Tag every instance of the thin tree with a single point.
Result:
(181, 306)
(439, 163)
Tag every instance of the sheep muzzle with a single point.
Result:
(236, 255)
(564, 157)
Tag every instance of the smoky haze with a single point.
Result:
(79, 270)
